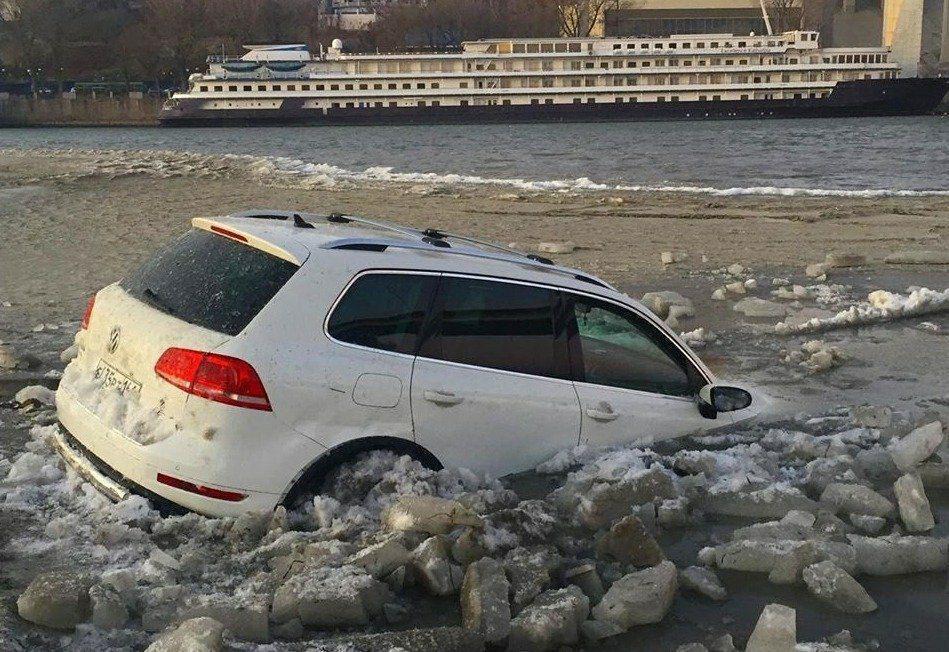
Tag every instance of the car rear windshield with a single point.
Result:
(210, 281)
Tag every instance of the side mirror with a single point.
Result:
(722, 398)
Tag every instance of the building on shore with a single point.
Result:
(855, 24)
(666, 17)
(917, 32)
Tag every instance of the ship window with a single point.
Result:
(320, 87)
(588, 64)
(703, 98)
(363, 87)
(276, 87)
(675, 98)
(535, 101)
(261, 88)
(204, 89)
(393, 104)
(378, 103)
(714, 44)
(218, 89)
(618, 100)
(518, 48)
(463, 103)
(744, 96)
(335, 105)
(617, 46)
(349, 105)
(560, 47)
(334, 87)
(533, 48)
(716, 97)
(574, 47)
(729, 62)
(506, 102)
(686, 46)
(421, 85)
(643, 46)
(291, 87)
(546, 47)
(632, 99)
(741, 44)
(743, 62)
(436, 103)
(421, 103)
(463, 85)
(687, 62)
(406, 86)
(646, 64)
(794, 60)
(349, 87)
(392, 87)
(605, 64)
(661, 98)
(591, 100)
(700, 45)
(576, 100)
(247, 88)
(232, 89)
(658, 46)
(377, 87)
(548, 101)
(305, 87)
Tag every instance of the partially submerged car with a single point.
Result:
(261, 350)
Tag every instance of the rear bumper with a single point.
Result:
(117, 467)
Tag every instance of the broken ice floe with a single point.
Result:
(880, 306)
(581, 564)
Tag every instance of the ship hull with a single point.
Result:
(871, 97)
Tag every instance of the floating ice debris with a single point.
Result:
(880, 306)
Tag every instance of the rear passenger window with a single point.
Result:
(383, 311)
(497, 325)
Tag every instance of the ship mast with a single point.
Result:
(764, 14)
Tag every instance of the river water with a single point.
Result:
(846, 157)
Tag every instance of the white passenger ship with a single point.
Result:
(682, 76)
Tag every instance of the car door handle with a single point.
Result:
(439, 397)
(603, 412)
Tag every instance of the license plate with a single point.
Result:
(112, 378)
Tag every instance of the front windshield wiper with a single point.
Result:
(157, 301)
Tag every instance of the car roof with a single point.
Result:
(294, 235)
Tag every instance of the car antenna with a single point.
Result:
(301, 223)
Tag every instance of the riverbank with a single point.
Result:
(70, 111)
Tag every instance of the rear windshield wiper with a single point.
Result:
(157, 301)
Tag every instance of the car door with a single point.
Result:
(491, 388)
(358, 382)
(634, 383)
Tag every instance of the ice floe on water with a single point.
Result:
(287, 170)
(880, 306)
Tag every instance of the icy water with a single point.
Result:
(847, 157)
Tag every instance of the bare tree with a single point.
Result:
(785, 15)
(578, 18)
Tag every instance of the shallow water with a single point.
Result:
(832, 156)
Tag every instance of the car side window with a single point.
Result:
(497, 325)
(617, 348)
(384, 311)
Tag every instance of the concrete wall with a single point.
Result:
(916, 32)
(17, 111)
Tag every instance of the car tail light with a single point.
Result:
(215, 377)
(210, 492)
(87, 315)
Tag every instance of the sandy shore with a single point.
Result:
(73, 222)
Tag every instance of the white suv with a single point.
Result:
(260, 350)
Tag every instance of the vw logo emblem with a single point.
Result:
(114, 338)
